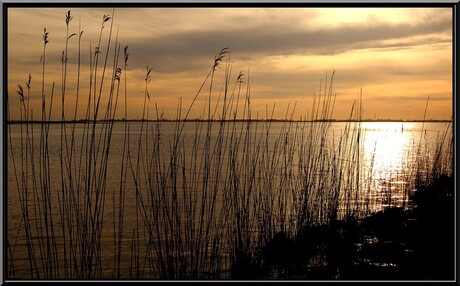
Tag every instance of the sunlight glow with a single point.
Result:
(384, 151)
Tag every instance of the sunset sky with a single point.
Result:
(398, 56)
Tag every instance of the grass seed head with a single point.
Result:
(45, 36)
(68, 18)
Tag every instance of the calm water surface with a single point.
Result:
(387, 150)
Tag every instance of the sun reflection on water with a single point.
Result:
(385, 151)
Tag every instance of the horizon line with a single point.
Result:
(226, 120)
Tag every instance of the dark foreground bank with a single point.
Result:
(394, 244)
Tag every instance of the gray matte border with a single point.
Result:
(214, 2)
(236, 1)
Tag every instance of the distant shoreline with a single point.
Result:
(227, 120)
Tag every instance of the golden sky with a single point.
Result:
(398, 56)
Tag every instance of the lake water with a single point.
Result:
(184, 194)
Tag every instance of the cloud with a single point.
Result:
(287, 51)
(408, 99)
(190, 51)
